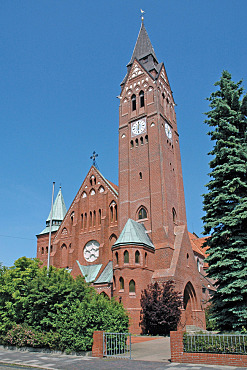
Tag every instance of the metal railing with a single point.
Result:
(117, 345)
(215, 343)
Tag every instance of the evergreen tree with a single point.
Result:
(225, 204)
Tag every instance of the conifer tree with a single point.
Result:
(225, 204)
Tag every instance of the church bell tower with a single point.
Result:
(150, 174)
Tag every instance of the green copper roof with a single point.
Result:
(47, 229)
(107, 274)
(134, 233)
(59, 208)
(89, 272)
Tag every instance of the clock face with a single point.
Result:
(138, 127)
(91, 251)
(168, 131)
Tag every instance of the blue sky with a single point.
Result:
(61, 64)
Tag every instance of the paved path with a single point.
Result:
(25, 360)
(151, 349)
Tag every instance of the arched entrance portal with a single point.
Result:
(189, 304)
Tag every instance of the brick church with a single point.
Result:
(121, 238)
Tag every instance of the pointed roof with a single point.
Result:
(59, 212)
(59, 208)
(143, 46)
(89, 272)
(134, 233)
(106, 275)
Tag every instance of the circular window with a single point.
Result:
(91, 251)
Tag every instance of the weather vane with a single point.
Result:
(142, 15)
(93, 157)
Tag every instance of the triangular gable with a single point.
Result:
(89, 272)
(103, 182)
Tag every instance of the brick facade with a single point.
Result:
(150, 191)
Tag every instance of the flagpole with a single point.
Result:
(49, 245)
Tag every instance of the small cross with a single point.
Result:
(93, 157)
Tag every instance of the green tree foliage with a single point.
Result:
(225, 204)
(55, 310)
(161, 308)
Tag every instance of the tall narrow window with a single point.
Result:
(146, 139)
(99, 216)
(126, 257)
(121, 283)
(115, 212)
(132, 286)
(90, 219)
(137, 142)
(42, 250)
(137, 257)
(142, 213)
(131, 143)
(85, 221)
(146, 258)
(111, 209)
(141, 140)
(174, 215)
(94, 218)
(82, 224)
(116, 255)
(141, 95)
(133, 100)
(140, 175)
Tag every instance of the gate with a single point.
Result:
(117, 345)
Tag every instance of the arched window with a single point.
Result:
(90, 219)
(51, 248)
(126, 257)
(121, 283)
(141, 140)
(115, 212)
(174, 215)
(133, 101)
(85, 221)
(137, 257)
(72, 217)
(136, 142)
(131, 143)
(141, 95)
(82, 224)
(140, 175)
(99, 216)
(111, 209)
(46, 249)
(94, 218)
(116, 255)
(187, 258)
(146, 258)
(142, 213)
(132, 286)
(146, 139)
(42, 250)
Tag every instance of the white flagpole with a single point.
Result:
(49, 245)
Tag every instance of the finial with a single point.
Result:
(93, 157)
(142, 15)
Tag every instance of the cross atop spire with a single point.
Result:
(93, 157)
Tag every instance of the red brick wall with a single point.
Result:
(177, 354)
(97, 350)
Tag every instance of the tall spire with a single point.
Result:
(59, 209)
(143, 47)
(59, 212)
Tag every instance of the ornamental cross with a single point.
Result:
(93, 157)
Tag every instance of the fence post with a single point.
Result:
(97, 350)
(177, 347)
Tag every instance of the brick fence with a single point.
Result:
(97, 350)
(178, 355)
